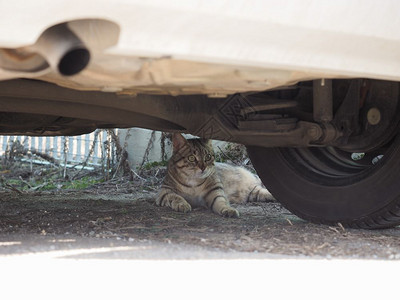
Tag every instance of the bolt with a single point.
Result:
(373, 116)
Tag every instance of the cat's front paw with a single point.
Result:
(181, 206)
(176, 202)
(229, 212)
(265, 196)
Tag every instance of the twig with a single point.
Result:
(152, 188)
(341, 227)
(19, 149)
(38, 186)
(108, 153)
(333, 229)
(10, 186)
(27, 183)
(14, 189)
(137, 175)
(65, 156)
(164, 137)
(228, 157)
(323, 245)
(45, 156)
(92, 147)
(290, 222)
(147, 151)
(122, 154)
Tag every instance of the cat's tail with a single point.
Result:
(260, 194)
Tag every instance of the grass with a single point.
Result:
(155, 164)
(47, 185)
(82, 183)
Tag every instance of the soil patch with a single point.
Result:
(123, 211)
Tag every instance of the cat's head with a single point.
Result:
(195, 157)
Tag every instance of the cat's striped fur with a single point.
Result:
(193, 179)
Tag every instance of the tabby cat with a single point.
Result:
(194, 179)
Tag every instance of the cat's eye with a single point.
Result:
(207, 157)
(191, 158)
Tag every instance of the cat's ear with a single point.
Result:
(178, 141)
(207, 142)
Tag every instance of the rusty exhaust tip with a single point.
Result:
(74, 61)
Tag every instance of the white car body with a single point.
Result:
(210, 47)
(303, 84)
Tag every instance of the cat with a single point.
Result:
(194, 179)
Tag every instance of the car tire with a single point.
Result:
(329, 186)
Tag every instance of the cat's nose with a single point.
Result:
(202, 168)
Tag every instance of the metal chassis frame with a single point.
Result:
(245, 119)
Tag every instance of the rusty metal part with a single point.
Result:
(238, 118)
(199, 115)
(322, 100)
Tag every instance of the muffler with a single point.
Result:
(63, 50)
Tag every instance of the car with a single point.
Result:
(310, 87)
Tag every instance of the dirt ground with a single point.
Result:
(124, 212)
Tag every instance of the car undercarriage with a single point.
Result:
(315, 104)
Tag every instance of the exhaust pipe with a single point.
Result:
(63, 50)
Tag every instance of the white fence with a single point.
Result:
(73, 149)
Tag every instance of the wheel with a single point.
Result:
(328, 185)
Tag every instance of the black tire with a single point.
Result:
(325, 185)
